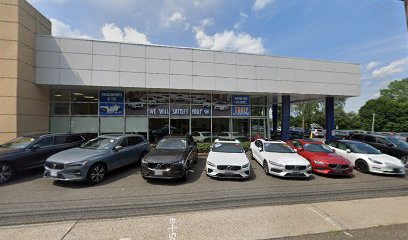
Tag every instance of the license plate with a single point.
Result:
(158, 173)
(53, 173)
(228, 173)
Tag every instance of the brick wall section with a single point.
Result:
(24, 106)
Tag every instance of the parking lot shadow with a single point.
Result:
(111, 177)
(25, 176)
(195, 174)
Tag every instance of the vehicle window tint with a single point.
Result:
(296, 144)
(383, 141)
(60, 140)
(342, 146)
(334, 144)
(370, 139)
(123, 143)
(357, 137)
(45, 142)
(134, 140)
(195, 134)
(73, 138)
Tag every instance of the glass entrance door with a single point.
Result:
(179, 126)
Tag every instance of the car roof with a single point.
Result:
(39, 134)
(117, 136)
(309, 141)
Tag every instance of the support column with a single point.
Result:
(285, 133)
(329, 118)
(275, 117)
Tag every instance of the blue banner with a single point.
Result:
(111, 109)
(111, 96)
(240, 100)
(241, 111)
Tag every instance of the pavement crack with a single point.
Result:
(70, 229)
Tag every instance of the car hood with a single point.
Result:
(219, 158)
(5, 151)
(164, 155)
(330, 158)
(75, 155)
(286, 158)
(387, 159)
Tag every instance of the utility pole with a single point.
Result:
(373, 123)
(406, 11)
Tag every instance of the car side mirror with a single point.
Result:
(299, 149)
(260, 149)
(117, 148)
(35, 147)
(191, 147)
(348, 151)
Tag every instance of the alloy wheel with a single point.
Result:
(97, 174)
(265, 166)
(404, 159)
(5, 173)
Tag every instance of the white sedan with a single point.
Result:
(278, 159)
(227, 159)
(366, 158)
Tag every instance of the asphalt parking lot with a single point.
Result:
(33, 199)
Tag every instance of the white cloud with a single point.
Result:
(64, 30)
(111, 32)
(261, 4)
(229, 41)
(243, 17)
(177, 17)
(372, 65)
(394, 67)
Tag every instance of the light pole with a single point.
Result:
(406, 11)
(373, 123)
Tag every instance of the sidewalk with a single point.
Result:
(262, 222)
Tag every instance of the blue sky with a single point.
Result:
(369, 32)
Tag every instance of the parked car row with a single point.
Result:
(68, 157)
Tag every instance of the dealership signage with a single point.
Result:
(112, 96)
(241, 111)
(177, 110)
(111, 109)
(240, 100)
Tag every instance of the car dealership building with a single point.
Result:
(60, 84)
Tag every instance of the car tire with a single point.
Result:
(184, 177)
(404, 160)
(266, 168)
(6, 172)
(96, 173)
(362, 166)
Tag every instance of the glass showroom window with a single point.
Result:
(136, 113)
(60, 102)
(84, 102)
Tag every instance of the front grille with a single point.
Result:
(230, 168)
(338, 166)
(295, 175)
(158, 165)
(222, 175)
(295, 167)
(52, 165)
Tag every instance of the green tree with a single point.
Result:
(391, 109)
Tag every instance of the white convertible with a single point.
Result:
(278, 159)
(366, 158)
(227, 159)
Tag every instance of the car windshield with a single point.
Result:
(317, 148)
(278, 147)
(100, 143)
(18, 143)
(358, 147)
(227, 147)
(171, 143)
(397, 141)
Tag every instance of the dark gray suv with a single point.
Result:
(31, 151)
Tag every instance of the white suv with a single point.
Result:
(227, 159)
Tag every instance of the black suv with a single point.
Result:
(31, 151)
(172, 158)
(391, 145)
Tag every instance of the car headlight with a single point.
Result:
(375, 161)
(76, 164)
(275, 164)
(319, 162)
(179, 162)
(308, 166)
(211, 164)
(246, 165)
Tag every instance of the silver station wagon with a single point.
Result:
(94, 159)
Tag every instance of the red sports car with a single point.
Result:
(322, 157)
